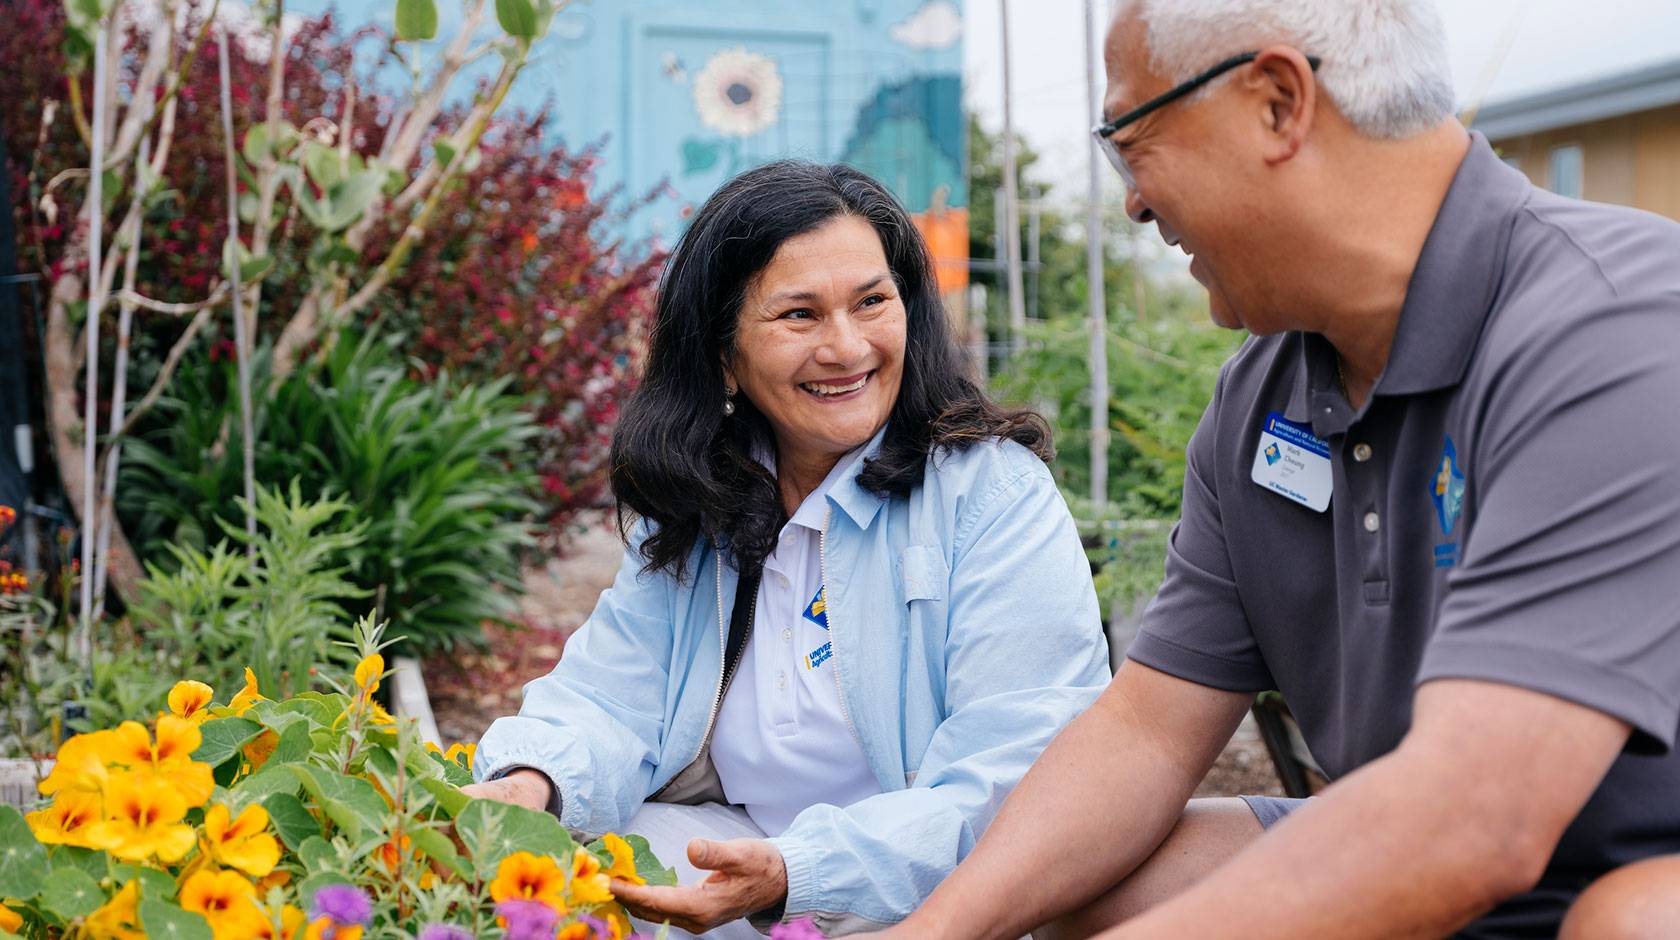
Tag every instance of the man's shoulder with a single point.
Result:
(1585, 253)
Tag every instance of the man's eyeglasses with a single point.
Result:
(1105, 132)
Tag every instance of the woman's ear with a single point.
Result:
(729, 382)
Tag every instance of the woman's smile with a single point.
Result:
(842, 389)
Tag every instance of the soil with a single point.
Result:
(471, 688)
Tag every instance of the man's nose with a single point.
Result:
(1136, 208)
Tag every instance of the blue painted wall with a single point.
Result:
(688, 92)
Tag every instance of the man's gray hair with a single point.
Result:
(1384, 61)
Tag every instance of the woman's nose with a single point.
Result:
(843, 341)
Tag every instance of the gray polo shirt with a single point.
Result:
(1505, 507)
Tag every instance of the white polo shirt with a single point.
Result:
(781, 742)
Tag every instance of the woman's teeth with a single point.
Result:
(818, 388)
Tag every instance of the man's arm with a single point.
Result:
(1465, 813)
(1093, 807)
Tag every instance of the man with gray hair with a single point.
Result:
(1435, 501)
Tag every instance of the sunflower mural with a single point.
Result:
(738, 95)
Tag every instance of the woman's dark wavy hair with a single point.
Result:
(680, 464)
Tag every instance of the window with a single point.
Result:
(1565, 177)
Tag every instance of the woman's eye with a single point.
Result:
(800, 314)
(874, 300)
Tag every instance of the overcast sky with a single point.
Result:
(1551, 42)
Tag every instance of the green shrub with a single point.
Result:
(433, 474)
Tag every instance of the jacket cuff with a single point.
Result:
(800, 860)
(555, 804)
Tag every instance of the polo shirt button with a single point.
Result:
(1373, 522)
(1362, 452)
(783, 579)
(787, 636)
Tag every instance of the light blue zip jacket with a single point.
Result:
(966, 634)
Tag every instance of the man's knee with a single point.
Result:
(1640, 901)
(1209, 832)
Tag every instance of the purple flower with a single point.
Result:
(801, 929)
(527, 920)
(444, 932)
(345, 904)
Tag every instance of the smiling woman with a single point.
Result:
(853, 606)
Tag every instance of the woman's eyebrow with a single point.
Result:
(805, 295)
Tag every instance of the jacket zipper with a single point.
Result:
(834, 657)
(725, 670)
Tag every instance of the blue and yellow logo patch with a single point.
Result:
(817, 610)
(1446, 491)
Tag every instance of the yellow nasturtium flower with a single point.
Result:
(143, 816)
(589, 884)
(368, 672)
(169, 758)
(190, 699)
(241, 842)
(623, 860)
(261, 748)
(119, 918)
(292, 921)
(246, 697)
(523, 876)
(321, 928)
(10, 921)
(80, 765)
(68, 820)
(455, 752)
(227, 901)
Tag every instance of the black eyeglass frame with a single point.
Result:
(1103, 132)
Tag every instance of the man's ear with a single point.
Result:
(1288, 94)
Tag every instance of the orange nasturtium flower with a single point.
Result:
(261, 748)
(143, 816)
(292, 921)
(623, 860)
(227, 901)
(523, 876)
(190, 699)
(589, 884)
(67, 820)
(241, 842)
(118, 918)
(321, 928)
(246, 697)
(10, 921)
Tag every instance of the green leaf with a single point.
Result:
(317, 854)
(352, 197)
(492, 831)
(294, 744)
(444, 149)
(273, 778)
(223, 737)
(647, 863)
(23, 861)
(437, 846)
(416, 19)
(350, 802)
(154, 884)
(71, 893)
(518, 18)
(166, 921)
(257, 144)
(88, 861)
(291, 819)
(449, 797)
(322, 164)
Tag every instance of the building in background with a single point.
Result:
(678, 96)
(1614, 139)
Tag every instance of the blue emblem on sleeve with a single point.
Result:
(1447, 488)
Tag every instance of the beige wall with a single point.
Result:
(1632, 160)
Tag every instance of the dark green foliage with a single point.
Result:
(433, 472)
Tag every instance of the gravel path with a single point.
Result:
(470, 689)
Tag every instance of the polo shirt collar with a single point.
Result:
(840, 487)
(1447, 301)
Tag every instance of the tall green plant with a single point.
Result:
(435, 472)
(278, 609)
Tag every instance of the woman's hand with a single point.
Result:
(747, 876)
(523, 787)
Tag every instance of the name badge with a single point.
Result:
(1292, 463)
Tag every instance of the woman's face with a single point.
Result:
(820, 344)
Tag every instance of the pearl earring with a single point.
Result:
(728, 402)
